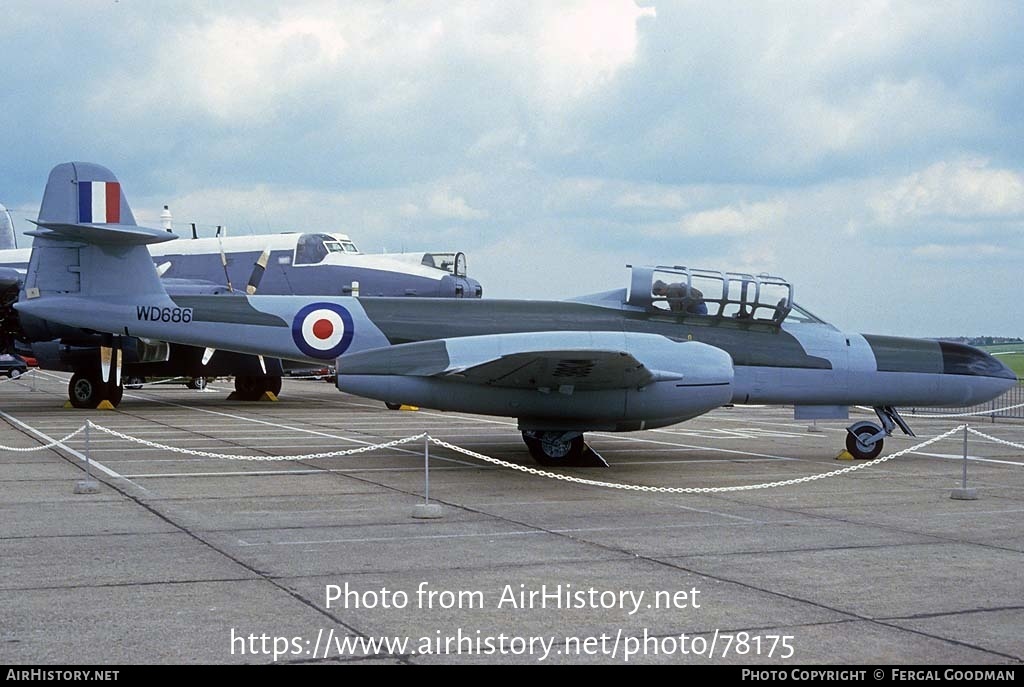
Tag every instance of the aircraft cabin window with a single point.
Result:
(313, 248)
(798, 314)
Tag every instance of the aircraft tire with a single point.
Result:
(853, 446)
(394, 406)
(84, 390)
(549, 449)
(248, 388)
(198, 383)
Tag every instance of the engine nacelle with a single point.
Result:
(686, 379)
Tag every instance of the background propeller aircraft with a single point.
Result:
(675, 344)
(297, 263)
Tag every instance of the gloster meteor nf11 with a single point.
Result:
(674, 345)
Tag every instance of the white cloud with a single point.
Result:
(582, 45)
(838, 144)
(380, 59)
(974, 252)
(958, 190)
(443, 204)
(652, 198)
(743, 218)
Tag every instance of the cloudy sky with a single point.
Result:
(870, 152)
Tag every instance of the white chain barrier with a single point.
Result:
(690, 490)
(15, 378)
(512, 466)
(991, 411)
(231, 456)
(991, 438)
(56, 442)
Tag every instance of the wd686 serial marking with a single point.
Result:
(155, 313)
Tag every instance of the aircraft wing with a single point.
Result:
(541, 360)
(582, 369)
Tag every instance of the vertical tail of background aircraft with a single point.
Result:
(86, 234)
(8, 239)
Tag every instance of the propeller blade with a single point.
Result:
(224, 262)
(257, 272)
(207, 354)
(263, 364)
(162, 268)
(106, 352)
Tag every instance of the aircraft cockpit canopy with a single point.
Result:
(688, 292)
(313, 248)
(452, 263)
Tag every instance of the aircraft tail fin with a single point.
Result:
(8, 239)
(87, 233)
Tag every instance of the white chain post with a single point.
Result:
(87, 485)
(426, 510)
(963, 493)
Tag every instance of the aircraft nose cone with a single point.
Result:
(974, 374)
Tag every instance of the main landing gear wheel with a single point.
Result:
(198, 383)
(855, 442)
(87, 391)
(561, 449)
(392, 406)
(250, 388)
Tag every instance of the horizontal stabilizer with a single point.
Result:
(118, 234)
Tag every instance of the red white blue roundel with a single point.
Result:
(322, 330)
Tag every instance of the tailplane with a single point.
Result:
(87, 233)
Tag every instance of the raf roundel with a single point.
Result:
(322, 330)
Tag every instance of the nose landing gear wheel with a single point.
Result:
(859, 450)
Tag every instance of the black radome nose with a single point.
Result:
(961, 359)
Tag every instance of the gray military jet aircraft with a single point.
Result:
(312, 263)
(675, 344)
